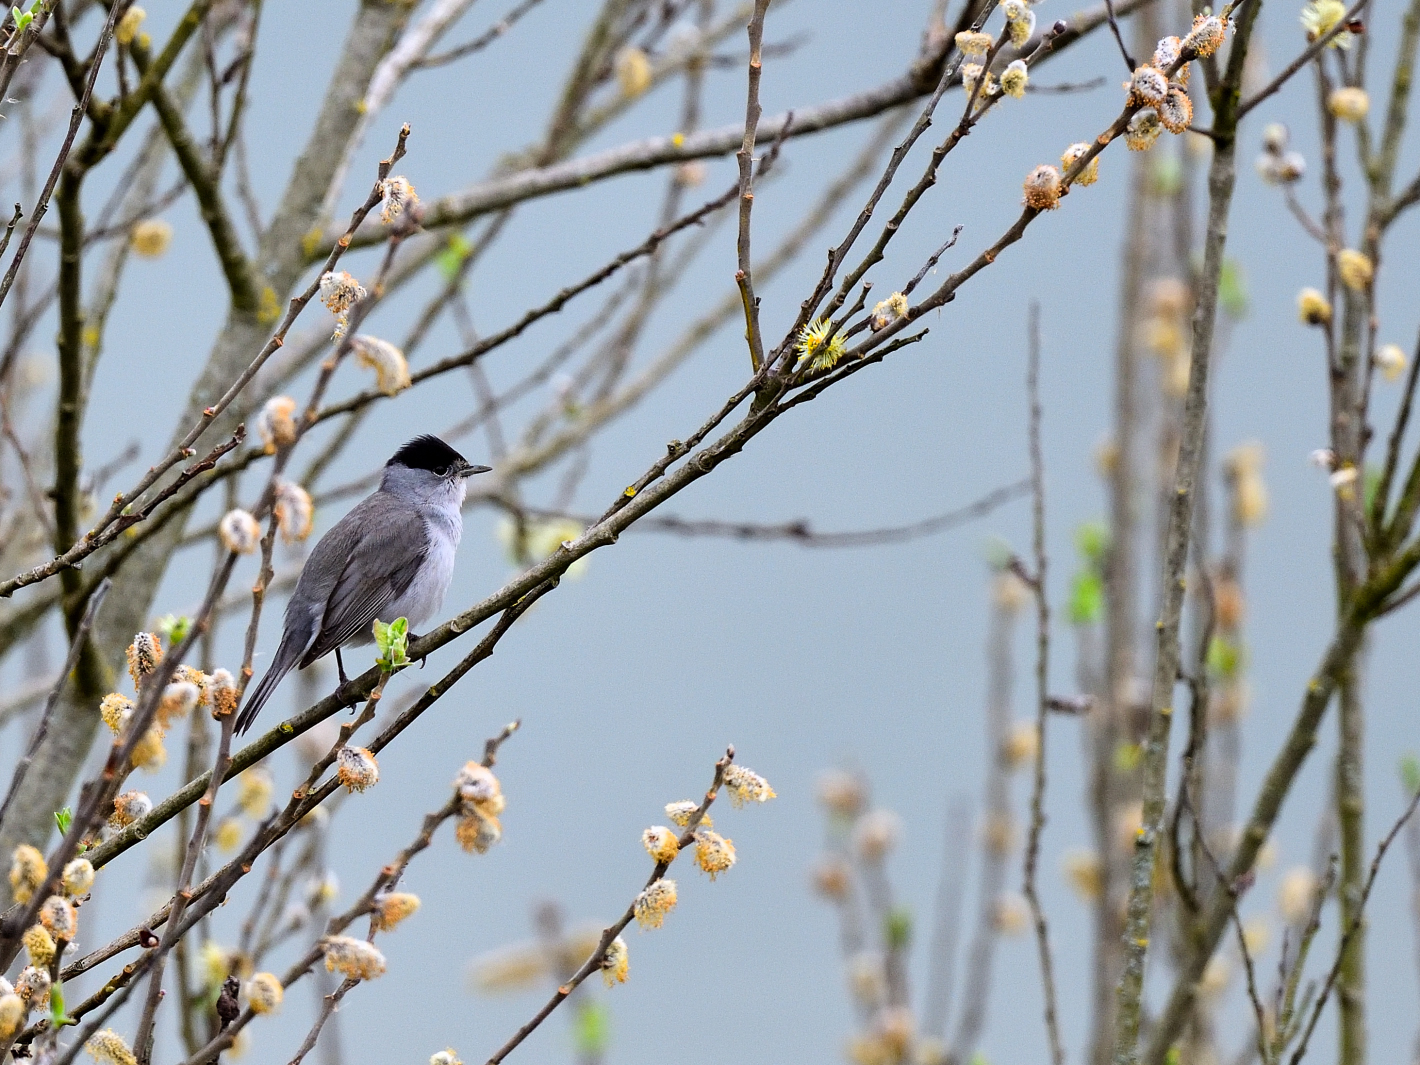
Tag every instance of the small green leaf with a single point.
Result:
(392, 640)
(591, 1030)
(979, 1059)
(1092, 541)
(897, 928)
(1225, 658)
(56, 1007)
(174, 628)
(1173, 1056)
(1086, 598)
(451, 258)
(1232, 289)
(64, 818)
(1410, 773)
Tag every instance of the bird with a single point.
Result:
(391, 557)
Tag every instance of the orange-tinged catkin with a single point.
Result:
(1176, 110)
(392, 908)
(616, 963)
(1148, 85)
(144, 655)
(276, 424)
(479, 789)
(478, 834)
(1042, 188)
(660, 843)
(652, 905)
(198, 679)
(59, 918)
(353, 958)
(295, 512)
(398, 195)
(32, 985)
(149, 754)
(1207, 35)
(128, 808)
(1073, 154)
(115, 711)
(179, 699)
(264, 993)
(1143, 130)
(713, 853)
(833, 878)
(222, 691)
(356, 768)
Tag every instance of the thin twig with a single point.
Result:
(87, 543)
(482, 41)
(1312, 51)
(800, 532)
(1042, 680)
(745, 158)
(1119, 37)
(76, 117)
(1353, 926)
(594, 963)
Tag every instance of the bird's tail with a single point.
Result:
(288, 654)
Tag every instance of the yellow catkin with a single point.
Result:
(151, 237)
(28, 871)
(745, 785)
(39, 945)
(264, 993)
(12, 1015)
(660, 843)
(393, 908)
(616, 963)
(713, 853)
(108, 1048)
(652, 905)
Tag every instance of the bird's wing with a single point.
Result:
(383, 544)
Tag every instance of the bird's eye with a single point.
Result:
(441, 471)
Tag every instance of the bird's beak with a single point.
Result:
(469, 471)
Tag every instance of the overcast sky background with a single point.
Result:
(631, 680)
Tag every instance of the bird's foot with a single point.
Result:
(413, 639)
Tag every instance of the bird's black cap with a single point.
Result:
(426, 453)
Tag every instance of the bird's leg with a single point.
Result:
(340, 667)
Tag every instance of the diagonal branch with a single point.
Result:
(652, 152)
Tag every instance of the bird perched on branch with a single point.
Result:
(391, 557)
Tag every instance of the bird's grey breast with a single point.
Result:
(443, 528)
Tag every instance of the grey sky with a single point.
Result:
(631, 680)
